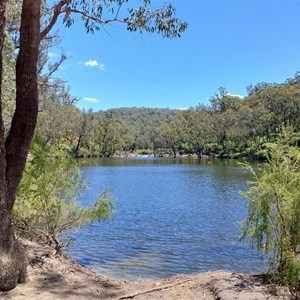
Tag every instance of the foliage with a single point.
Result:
(273, 222)
(46, 199)
(231, 127)
(142, 18)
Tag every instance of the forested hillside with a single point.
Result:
(228, 127)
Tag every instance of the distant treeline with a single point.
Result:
(230, 127)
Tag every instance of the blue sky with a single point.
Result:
(228, 43)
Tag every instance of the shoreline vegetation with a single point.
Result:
(56, 276)
(165, 155)
(228, 127)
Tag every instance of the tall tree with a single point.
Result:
(199, 129)
(14, 149)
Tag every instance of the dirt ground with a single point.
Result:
(58, 277)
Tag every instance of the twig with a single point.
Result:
(93, 18)
(153, 290)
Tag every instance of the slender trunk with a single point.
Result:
(13, 154)
(24, 120)
(174, 151)
(78, 145)
(9, 272)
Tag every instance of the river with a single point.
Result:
(172, 216)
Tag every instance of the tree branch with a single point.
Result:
(57, 12)
(95, 19)
(58, 9)
(155, 289)
(54, 68)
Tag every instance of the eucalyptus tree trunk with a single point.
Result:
(14, 151)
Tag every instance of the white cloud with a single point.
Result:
(235, 95)
(94, 63)
(91, 63)
(88, 99)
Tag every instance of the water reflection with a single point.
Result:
(173, 216)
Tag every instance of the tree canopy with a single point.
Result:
(230, 127)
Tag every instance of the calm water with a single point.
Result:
(172, 216)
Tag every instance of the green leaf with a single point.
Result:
(34, 187)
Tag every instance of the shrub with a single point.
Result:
(273, 222)
(46, 199)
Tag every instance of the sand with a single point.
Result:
(58, 277)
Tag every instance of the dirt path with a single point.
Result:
(58, 277)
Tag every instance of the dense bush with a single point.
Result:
(273, 222)
(46, 199)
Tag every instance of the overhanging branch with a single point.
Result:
(57, 12)
(95, 19)
(63, 8)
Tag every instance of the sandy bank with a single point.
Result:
(58, 277)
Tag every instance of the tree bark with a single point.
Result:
(13, 153)
(25, 116)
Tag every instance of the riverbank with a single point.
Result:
(58, 277)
